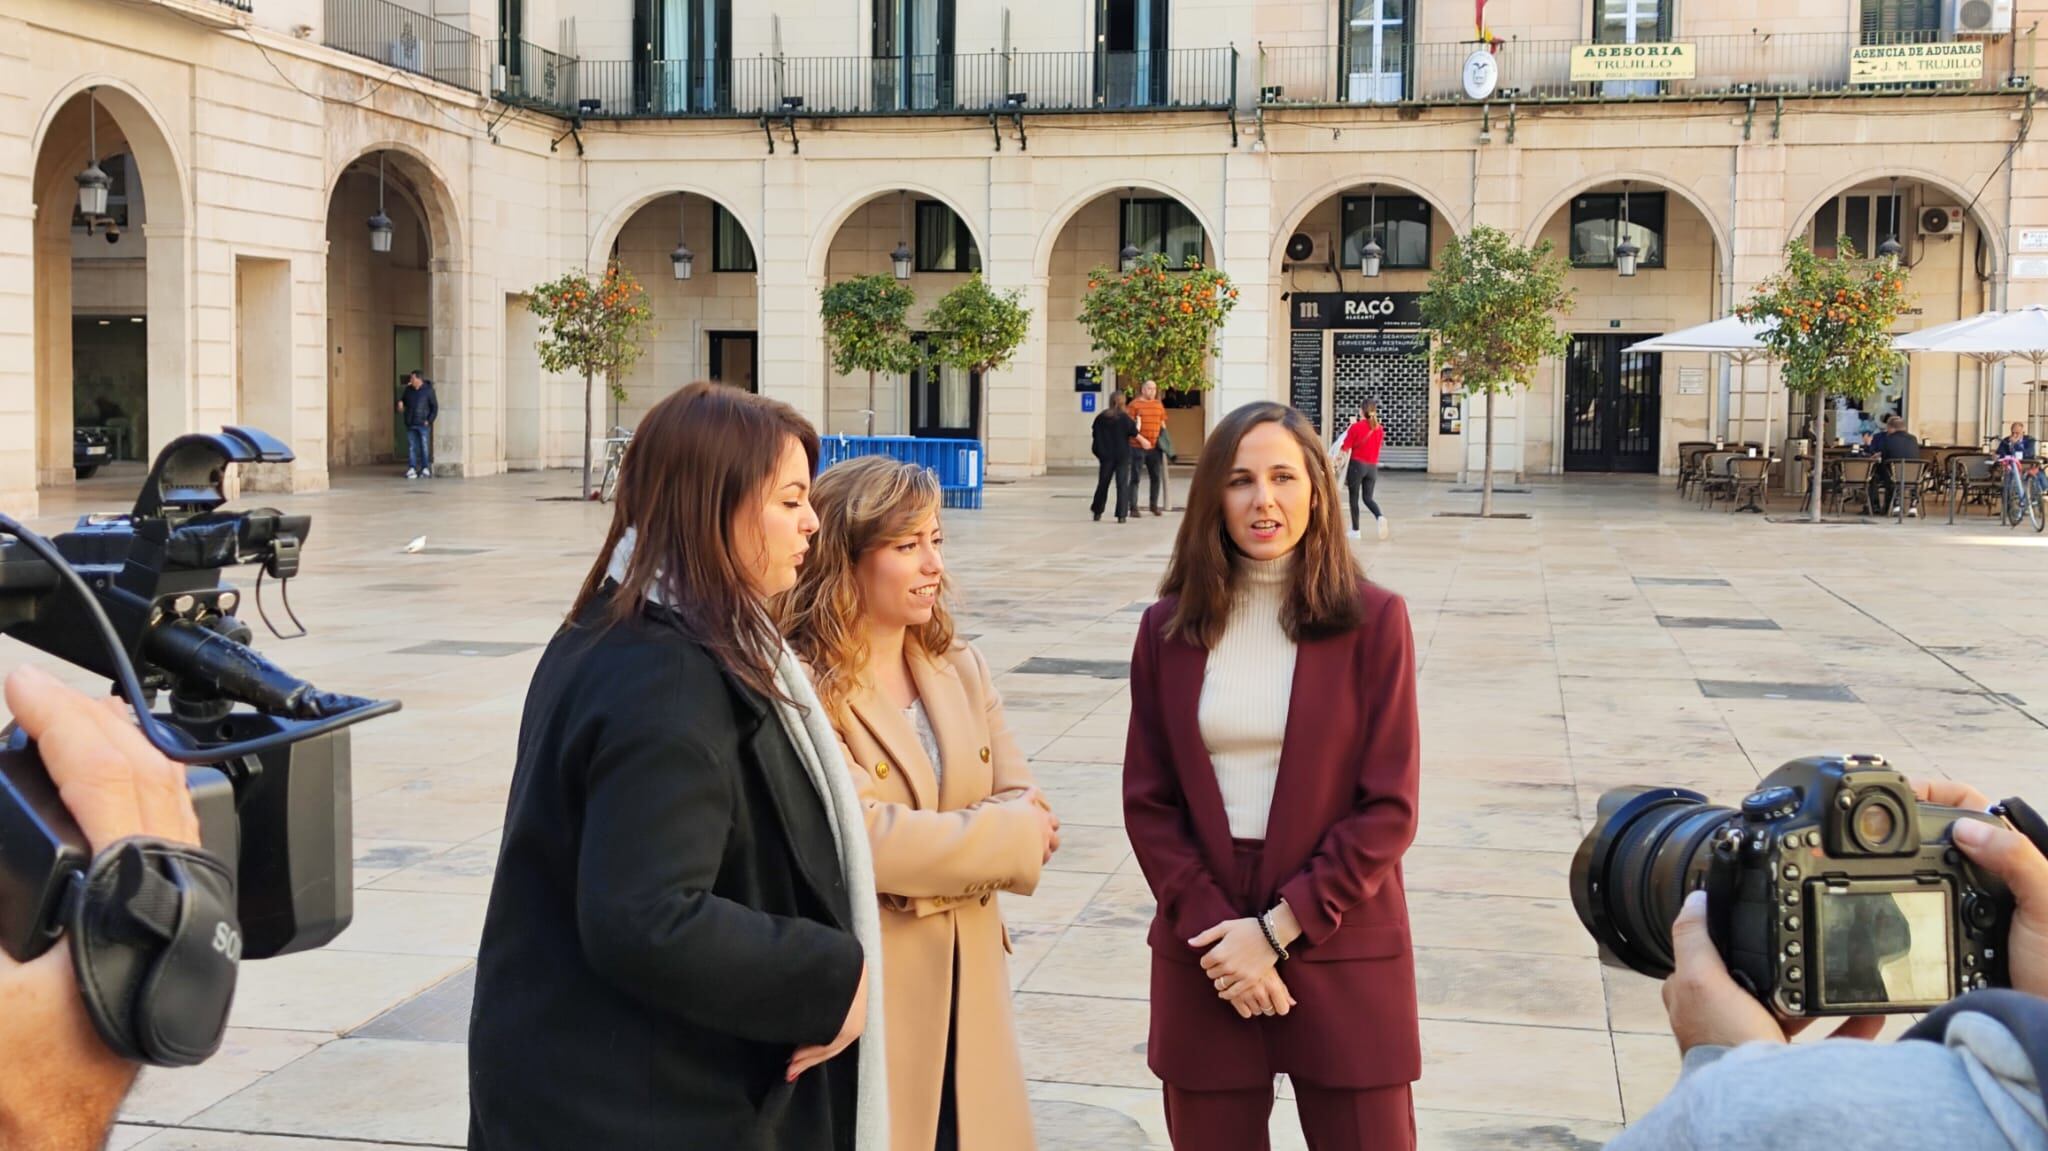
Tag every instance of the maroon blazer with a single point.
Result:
(1344, 811)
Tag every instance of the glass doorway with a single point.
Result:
(735, 357)
(1611, 405)
(945, 402)
(408, 354)
(1130, 53)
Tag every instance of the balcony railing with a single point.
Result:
(239, 5)
(1805, 64)
(1198, 78)
(532, 77)
(402, 38)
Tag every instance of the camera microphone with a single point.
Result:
(195, 653)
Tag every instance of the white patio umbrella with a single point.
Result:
(1990, 338)
(1732, 336)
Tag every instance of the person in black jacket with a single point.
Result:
(420, 409)
(1895, 444)
(1113, 430)
(668, 958)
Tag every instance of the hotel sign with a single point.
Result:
(1592, 62)
(1917, 63)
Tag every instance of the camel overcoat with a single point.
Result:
(943, 849)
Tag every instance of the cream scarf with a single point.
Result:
(817, 745)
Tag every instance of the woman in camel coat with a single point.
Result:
(953, 816)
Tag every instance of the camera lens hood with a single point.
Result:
(1592, 876)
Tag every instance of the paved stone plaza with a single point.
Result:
(1618, 635)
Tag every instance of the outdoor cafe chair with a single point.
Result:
(1909, 478)
(1749, 477)
(1854, 483)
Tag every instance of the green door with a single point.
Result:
(408, 352)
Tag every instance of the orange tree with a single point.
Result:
(1156, 323)
(593, 327)
(1830, 327)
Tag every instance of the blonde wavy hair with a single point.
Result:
(862, 504)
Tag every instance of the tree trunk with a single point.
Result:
(1820, 439)
(1486, 481)
(588, 380)
(871, 402)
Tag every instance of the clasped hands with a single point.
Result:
(1242, 964)
(1049, 824)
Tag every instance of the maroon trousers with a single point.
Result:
(1377, 1119)
(1332, 1118)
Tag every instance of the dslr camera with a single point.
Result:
(157, 931)
(1831, 890)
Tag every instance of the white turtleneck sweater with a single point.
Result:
(1246, 693)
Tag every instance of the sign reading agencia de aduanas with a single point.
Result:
(1917, 63)
(1632, 62)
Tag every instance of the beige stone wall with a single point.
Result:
(685, 312)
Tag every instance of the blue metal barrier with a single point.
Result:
(959, 464)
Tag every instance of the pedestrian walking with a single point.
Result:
(1146, 452)
(420, 409)
(1113, 432)
(1357, 458)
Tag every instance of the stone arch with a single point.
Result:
(442, 213)
(1316, 198)
(1056, 223)
(1993, 234)
(614, 221)
(822, 239)
(1723, 247)
(59, 146)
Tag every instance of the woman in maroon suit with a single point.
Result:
(1270, 791)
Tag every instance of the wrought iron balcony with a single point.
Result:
(959, 84)
(403, 38)
(1539, 71)
(532, 77)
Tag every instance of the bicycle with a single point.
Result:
(2024, 492)
(614, 455)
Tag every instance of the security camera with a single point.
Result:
(113, 234)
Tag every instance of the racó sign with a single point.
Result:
(1593, 62)
(1356, 310)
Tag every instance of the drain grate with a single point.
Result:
(1093, 668)
(440, 1014)
(1801, 692)
(1679, 581)
(1715, 623)
(486, 649)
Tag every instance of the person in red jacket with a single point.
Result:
(1361, 445)
(1270, 826)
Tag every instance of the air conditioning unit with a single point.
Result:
(1310, 250)
(1983, 17)
(1940, 221)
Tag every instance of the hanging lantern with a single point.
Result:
(1625, 253)
(93, 183)
(682, 259)
(1889, 248)
(1128, 258)
(380, 224)
(1370, 258)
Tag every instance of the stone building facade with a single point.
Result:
(249, 141)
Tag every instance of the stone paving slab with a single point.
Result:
(1550, 671)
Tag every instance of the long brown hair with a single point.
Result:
(1203, 572)
(862, 505)
(698, 460)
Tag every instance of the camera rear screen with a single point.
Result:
(1884, 949)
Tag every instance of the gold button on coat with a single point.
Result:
(881, 771)
(984, 755)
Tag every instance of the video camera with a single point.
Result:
(138, 598)
(1831, 890)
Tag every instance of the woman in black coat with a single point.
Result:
(669, 958)
(1113, 430)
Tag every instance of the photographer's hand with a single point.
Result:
(2013, 858)
(62, 1085)
(1708, 1008)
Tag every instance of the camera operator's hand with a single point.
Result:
(1708, 1008)
(62, 1086)
(2013, 858)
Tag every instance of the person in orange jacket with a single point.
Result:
(1145, 450)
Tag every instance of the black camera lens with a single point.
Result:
(1649, 846)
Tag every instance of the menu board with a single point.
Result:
(1305, 374)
